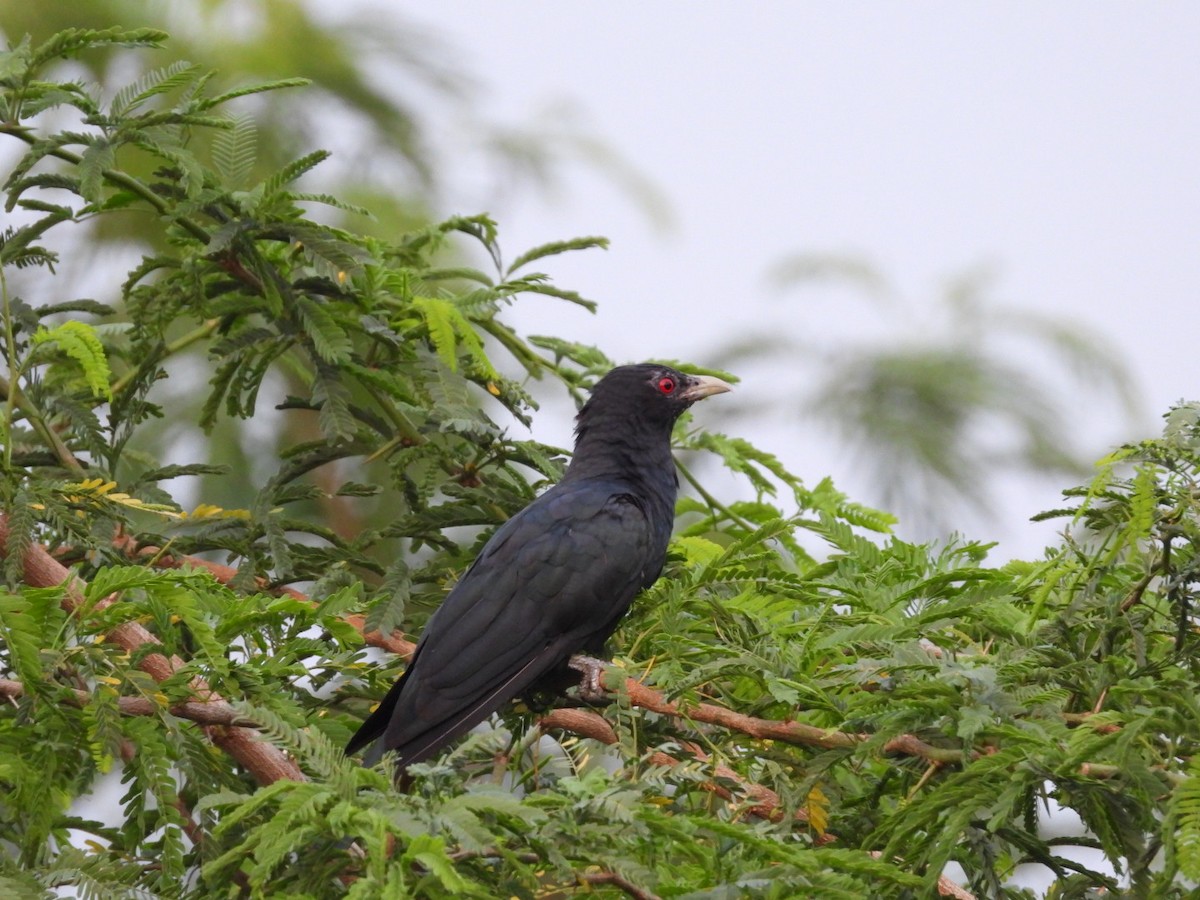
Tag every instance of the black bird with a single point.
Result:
(554, 579)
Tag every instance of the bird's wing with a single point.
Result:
(560, 571)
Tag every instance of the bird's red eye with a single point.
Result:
(666, 385)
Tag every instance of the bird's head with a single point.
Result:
(647, 393)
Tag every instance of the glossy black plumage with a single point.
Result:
(557, 577)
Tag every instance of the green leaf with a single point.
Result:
(330, 200)
(332, 398)
(21, 638)
(156, 81)
(292, 171)
(439, 323)
(72, 40)
(556, 247)
(247, 90)
(81, 343)
(235, 151)
(97, 158)
(450, 331)
(429, 852)
(328, 337)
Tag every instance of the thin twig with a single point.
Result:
(713, 502)
(1139, 589)
(204, 713)
(619, 881)
(14, 395)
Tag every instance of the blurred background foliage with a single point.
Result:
(937, 400)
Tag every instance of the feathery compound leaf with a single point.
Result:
(73, 40)
(332, 398)
(43, 180)
(15, 244)
(742, 456)
(1183, 846)
(549, 290)
(81, 343)
(330, 200)
(191, 173)
(556, 247)
(439, 323)
(328, 337)
(341, 258)
(155, 82)
(292, 171)
(97, 158)
(246, 90)
(21, 638)
(817, 806)
(449, 331)
(235, 151)
(1143, 502)
(82, 305)
(314, 749)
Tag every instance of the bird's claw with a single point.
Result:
(591, 686)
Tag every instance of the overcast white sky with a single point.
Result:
(1056, 143)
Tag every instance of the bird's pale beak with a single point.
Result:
(701, 386)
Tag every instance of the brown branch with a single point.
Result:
(948, 888)
(790, 732)
(264, 761)
(766, 804)
(582, 722)
(205, 713)
(1100, 770)
(1157, 569)
(619, 881)
(1084, 719)
(911, 745)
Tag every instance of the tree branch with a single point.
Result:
(585, 723)
(766, 803)
(55, 444)
(619, 881)
(789, 732)
(204, 713)
(264, 761)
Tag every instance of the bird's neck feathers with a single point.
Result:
(629, 450)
